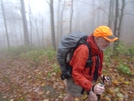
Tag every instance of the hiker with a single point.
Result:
(83, 79)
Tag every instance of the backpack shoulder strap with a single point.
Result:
(89, 60)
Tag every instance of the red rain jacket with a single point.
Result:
(81, 74)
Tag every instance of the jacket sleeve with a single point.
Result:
(78, 62)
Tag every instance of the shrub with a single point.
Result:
(107, 56)
(56, 68)
(131, 50)
(51, 54)
(124, 69)
(34, 55)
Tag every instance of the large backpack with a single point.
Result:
(66, 48)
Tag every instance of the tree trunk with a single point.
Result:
(30, 22)
(99, 13)
(52, 24)
(37, 31)
(116, 24)
(43, 34)
(110, 13)
(61, 24)
(116, 17)
(17, 44)
(71, 17)
(26, 36)
(121, 17)
(4, 17)
(58, 22)
(93, 16)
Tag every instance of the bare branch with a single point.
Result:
(102, 10)
(128, 2)
(84, 2)
(48, 2)
(128, 14)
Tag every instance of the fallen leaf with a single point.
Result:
(126, 83)
(47, 92)
(46, 99)
(43, 84)
(76, 99)
(11, 100)
(116, 89)
(120, 95)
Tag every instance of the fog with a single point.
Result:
(86, 16)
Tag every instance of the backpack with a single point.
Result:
(66, 48)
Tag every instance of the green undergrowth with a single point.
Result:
(37, 54)
(122, 58)
(16, 51)
(33, 54)
(124, 69)
(50, 53)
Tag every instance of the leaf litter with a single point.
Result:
(22, 80)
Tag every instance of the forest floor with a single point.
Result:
(24, 80)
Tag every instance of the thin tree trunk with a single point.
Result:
(21, 37)
(37, 31)
(110, 13)
(4, 17)
(99, 12)
(43, 34)
(15, 34)
(58, 22)
(93, 16)
(116, 17)
(26, 36)
(30, 21)
(71, 16)
(52, 24)
(61, 24)
(116, 24)
(121, 17)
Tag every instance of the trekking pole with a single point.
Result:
(102, 84)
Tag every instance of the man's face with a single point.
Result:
(102, 43)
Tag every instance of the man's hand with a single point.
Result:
(98, 88)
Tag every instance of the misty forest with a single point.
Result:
(29, 36)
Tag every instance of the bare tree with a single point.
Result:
(26, 36)
(43, 45)
(52, 24)
(61, 16)
(71, 16)
(5, 23)
(121, 17)
(30, 21)
(110, 16)
(116, 17)
(58, 22)
(99, 13)
(93, 16)
(35, 20)
(118, 21)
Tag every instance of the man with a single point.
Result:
(83, 79)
